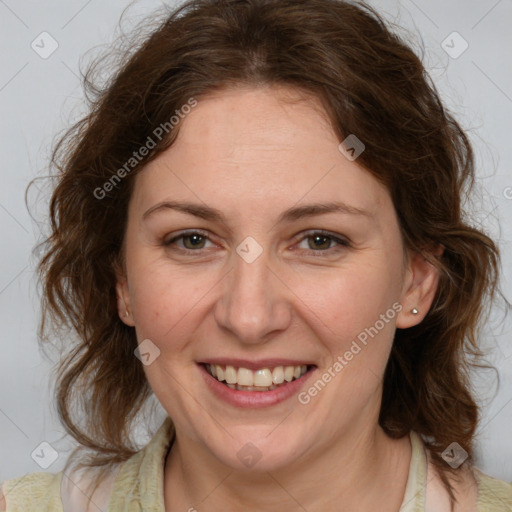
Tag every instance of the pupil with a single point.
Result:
(320, 238)
(194, 240)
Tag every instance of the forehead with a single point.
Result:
(259, 147)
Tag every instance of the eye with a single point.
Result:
(318, 242)
(322, 242)
(188, 241)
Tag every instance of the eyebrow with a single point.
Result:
(290, 215)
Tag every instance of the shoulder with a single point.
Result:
(57, 492)
(473, 490)
(69, 491)
(493, 495)
(31, 492)
(88, 489)
(465, 490)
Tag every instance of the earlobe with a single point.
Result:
(123, 300)
(420, 287)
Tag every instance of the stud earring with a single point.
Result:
(126, 313)
(414, 311)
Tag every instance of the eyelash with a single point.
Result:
(342, 243)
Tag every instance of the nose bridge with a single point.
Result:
(253, 301)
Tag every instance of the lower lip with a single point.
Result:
(254, 399)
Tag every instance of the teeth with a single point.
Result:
(278, 375)
(245, 377)
(230, 375)
(248, 380)
(263, 378)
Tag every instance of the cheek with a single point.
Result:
(353, 303)
(163, 303)
(355, 314)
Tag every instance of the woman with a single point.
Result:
(260, 223)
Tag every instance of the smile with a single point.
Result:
(263, 379)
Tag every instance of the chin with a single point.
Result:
(258, 449)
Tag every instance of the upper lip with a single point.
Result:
(255, 364)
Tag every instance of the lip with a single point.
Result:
(254, 399)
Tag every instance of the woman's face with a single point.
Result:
(252, 179)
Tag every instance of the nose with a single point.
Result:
(254, 302)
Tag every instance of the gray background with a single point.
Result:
(40, 97)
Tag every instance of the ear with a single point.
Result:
(123, 296)
(419, 289)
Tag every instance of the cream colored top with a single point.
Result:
(137, 484)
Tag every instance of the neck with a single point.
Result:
(363, 471)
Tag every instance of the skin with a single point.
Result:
(252, 154)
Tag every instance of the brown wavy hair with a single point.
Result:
(371, 84)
